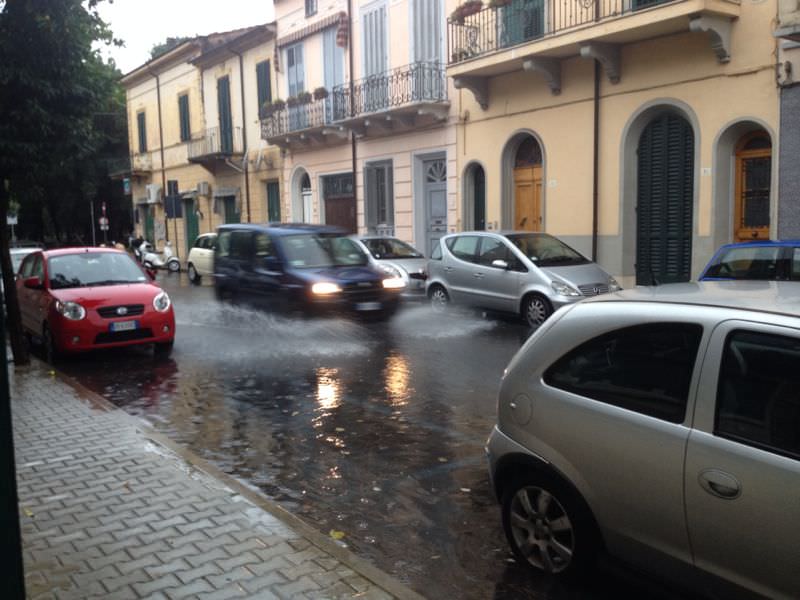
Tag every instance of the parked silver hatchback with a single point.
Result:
(530, 274)
(662, 424)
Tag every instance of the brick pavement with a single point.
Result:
(108, 510)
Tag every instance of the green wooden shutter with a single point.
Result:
(142, 130)
(183, 109)
(191, 223)
(225, 124)
(273, 202)
(264, 83)
(665, 194)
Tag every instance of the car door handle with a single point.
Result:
(448, 269)
(478, 275)
(720, 484)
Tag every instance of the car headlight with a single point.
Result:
(613, 286)
(162, 302)
(323, 288)
(561, 288)
(392, 271)
(70, 310)
(394, 283)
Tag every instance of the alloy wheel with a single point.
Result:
(439, 300)
(193, 277)
(536, 311)
(542, 529)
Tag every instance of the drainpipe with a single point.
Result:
(246, 165)
(163, 166)
(353, 142)
(595, 158)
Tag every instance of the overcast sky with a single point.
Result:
(143, 23)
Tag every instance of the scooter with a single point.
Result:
(153, 260)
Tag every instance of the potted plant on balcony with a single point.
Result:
(278, 105)
(320, 93)
(292, 101)
(470, 7)
(304, 98)
(498, 3)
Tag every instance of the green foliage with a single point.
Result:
(167, 45)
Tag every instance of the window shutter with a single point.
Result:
(183, 109)
(427, 31)
(225, 125)
(141, 128)
(264, 83)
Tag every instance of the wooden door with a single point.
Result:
(752, 190)
(528, 198)
(341, 211)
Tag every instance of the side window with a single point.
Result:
(492, 249)
(795, 275)
(27, 267)
(758, 394)
(200, 242)
(436, 253)
(465, 247)
(645, 368)
(264, 246)
(38, 267)
(224, 243)
(240, 247)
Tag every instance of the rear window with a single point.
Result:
(646, 369)
(755, 262)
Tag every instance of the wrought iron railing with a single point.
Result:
(217, 141)
(498, 27)
(411, 84)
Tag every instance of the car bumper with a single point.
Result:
(336, 303)
(95, 332)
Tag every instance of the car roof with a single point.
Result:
(283, 228)
(778, 297)
(79, 250)
(757, 243)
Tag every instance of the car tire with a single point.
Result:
(174, 266)
(49, 349)
(439, 298)
(163, 349)
(193, 275)
(536, 309)
(548, 526)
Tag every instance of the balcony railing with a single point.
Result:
(217, 142)
(412, 84)
(520, 21)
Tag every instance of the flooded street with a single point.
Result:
(371, 432)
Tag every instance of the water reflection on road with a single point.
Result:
(372, 429)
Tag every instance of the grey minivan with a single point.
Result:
(522, 272)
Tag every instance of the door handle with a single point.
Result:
(720, 484)
(448, 269)
(478, 275)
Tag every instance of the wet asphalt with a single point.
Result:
(371, 432)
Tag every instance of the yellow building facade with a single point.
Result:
(639, 132)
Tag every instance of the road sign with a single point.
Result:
(103, 223)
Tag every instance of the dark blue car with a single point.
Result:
(310, 268)
(769, 260)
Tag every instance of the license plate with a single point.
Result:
(124, 325)
(368, 306)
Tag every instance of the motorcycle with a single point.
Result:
(153, 260)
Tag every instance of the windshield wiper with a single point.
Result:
(108, 282)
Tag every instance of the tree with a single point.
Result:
(166, 46)
(53, 84)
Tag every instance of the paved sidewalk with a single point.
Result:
(109, 510)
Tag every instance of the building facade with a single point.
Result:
(364, 117)
(640, 131)
(197, 158)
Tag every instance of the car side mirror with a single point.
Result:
(500, 264)
(33, 283)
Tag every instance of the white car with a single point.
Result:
(399, 259)
(201, 257)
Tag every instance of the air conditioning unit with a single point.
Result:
(153, 193)
(203, 188)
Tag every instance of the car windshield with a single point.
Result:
(390, 248)
(92, 268)
(546, 251)
(755, 262)
(309, 251)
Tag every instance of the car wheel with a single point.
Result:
(174, 266)
(536, 310)
(193, 276)
(49, 346)
(548, 527)
(439, 299)
(163, 349)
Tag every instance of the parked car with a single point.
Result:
(662, 424)
(310, 268)
(79, 299)
(530, 274)
(399, 259)
(201, 257)
(777, 260)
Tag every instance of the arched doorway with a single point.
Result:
(664, 200)
(474, 216)
(301, 197)
(752, 187)
(528, 185)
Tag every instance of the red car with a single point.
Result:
(79, 299)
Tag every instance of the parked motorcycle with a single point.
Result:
(153, 260)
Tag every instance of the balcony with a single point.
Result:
(217, 146)
(788, 20)
(533, 35)
(399, 100)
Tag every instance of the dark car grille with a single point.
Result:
(364, 291)
(110, 312)
(593, 289)
(110, 337)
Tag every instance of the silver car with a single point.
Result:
(398, 258)
(530, 274)
(663, 425)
